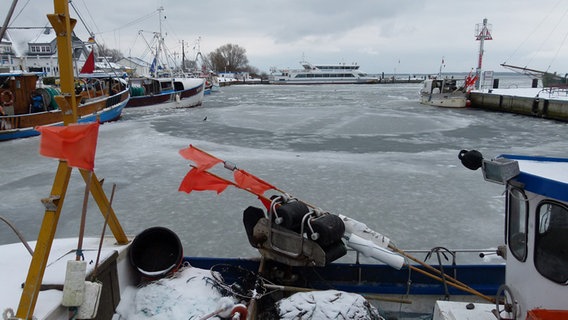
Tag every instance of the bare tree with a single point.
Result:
(112, 54)
(228, 58)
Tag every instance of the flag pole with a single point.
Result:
(79, 253)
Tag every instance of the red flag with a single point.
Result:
(75, 143)
(89, 65)
(246, 180)
(202, 160)
(266, 202)
(199, 180)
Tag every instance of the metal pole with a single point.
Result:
(7, 21)
(482, 34)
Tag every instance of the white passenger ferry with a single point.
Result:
(321, 74)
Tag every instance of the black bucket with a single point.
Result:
(156, 252)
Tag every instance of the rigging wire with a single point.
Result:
(561, 44)
(91, 34)
(15, 17)
(149, 45)
(545, 18)
(90, 15)
(133, 22)
(549, 35)
(128, 24)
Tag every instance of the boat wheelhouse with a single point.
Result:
(444, 92)
(25, 102)
(322, 74)
(167, 92)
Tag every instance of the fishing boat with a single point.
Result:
(297, 274)
(444, 92)
(321, 74)
(166, 92)
(453, 93)
(26, 103)
(166, 86)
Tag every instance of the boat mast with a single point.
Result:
(7, 20)
(63, 25)
(482, 33)
(197, 55)
(182, 57)
(160, 40)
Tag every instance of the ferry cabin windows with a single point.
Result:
(325, 75)
(517, 226)
(551, 241)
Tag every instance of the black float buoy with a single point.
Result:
(471, 159)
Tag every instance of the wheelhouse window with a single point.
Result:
(517, 226)
(551, 242)
(166, 86)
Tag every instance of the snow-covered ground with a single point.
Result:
(547, 93)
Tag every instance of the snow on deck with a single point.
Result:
(546, 93)
(557, 171)
(16, 261)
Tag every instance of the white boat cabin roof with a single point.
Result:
(543, 175)
(329, 67)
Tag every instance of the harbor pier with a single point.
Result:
(548, 103)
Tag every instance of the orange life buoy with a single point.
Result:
(7, 98)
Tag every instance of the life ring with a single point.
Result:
(239, 312)
(7, 98)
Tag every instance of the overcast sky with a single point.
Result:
(402, 36)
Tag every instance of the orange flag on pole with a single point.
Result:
(199, 180)
(203, 160)
(247, 181)
(75, 143)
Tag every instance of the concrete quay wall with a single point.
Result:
(542, 107)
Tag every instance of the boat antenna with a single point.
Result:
(442, 65)
(182, 56)
(197, 47)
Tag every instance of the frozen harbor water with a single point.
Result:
(369, 152)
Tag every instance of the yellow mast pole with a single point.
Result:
(63, 26)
